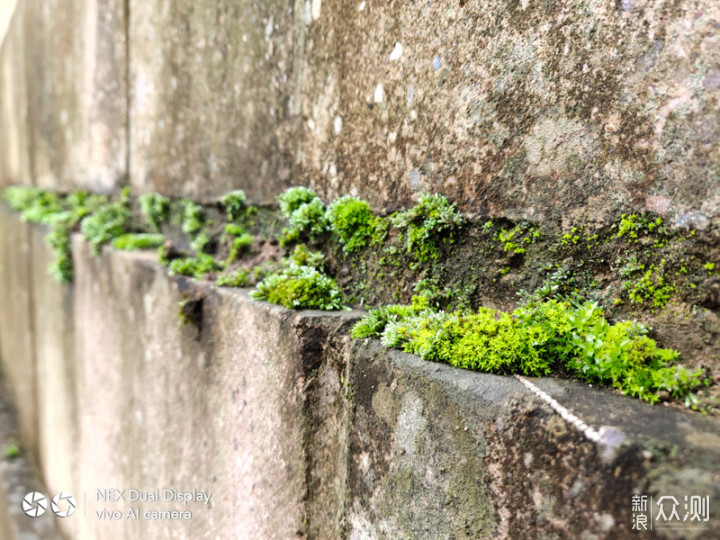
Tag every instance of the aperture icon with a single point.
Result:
(34, 504)
(69, 504)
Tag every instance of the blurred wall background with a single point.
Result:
(6, 9)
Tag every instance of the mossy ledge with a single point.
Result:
(637, 270)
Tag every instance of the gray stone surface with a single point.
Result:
(14, 158)
(210, 91)
(18, 477)
(53, 339)
(16, 343)
(75, 65)
(523, 109)
(439, 452)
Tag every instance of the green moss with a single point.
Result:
(651, 287)
(515, 239)
(307, 222)
(138, 241)
(107, 223)
(293, 198)
(352, 223)
(302, 256)
(36, 205)
(432, 219)
(195, 267)
(238, 278)
(536, 339)
(300, 287)
(12, 450)
(193, 218)
(155, 208)
(234, 204)
(710, 267)
(58, 239)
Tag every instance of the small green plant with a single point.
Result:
(61, 268)
(352, 223)
(239, 245)
(300, 287)
(431, 219)
(652, 286)
(237, 278)
(12, 450)
(138, 241)
(307, 222)
(36, 205)
(293, 198)
(192, 218)
(195, 267)
(302, 256)
(234, 204)
(155, 208)
(106, 224)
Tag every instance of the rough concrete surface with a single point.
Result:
(524, 109)
(16, 324)
(444, 453)
(75, 65)
(14, 158)
(18, 477)
(210, 90)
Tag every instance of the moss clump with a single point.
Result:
(534, 340)
(238, 278)
(300, 287)
(517, 238)
(61, 268)
(302, 256)
(293, 198)
(374, 324)
(352, 223)
(105, 224)
(234, 204)
(192, 218)
(36, 205)
(651, 287)
(308, 222)
(138, 241)
(425, 223)
(12, 450)
(305, 213)
(155, 208)
(195, 267)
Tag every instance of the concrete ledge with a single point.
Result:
(300, 432)
(441, 452)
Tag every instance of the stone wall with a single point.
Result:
(300, 432)
(553, 112)
(543, 111)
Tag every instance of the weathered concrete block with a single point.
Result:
(444, 453)
(523, 109)
(14, 158)
(217, 407)
(16, 338)
(53, 335)
(77, 98)
(210, 84)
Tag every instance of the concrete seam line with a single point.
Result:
(569, 417)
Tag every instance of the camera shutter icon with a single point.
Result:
(69, 504)
(34, 504)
